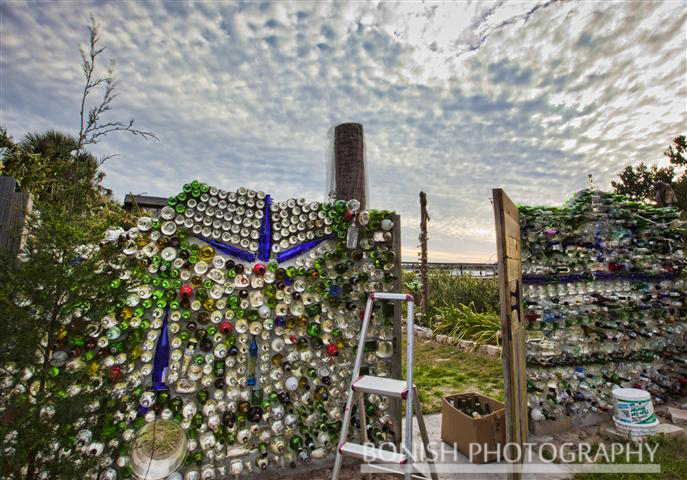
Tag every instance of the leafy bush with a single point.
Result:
(464, 323)
(451, 291)
(460, 306)
(446, 290)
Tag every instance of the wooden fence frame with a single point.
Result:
(507, 220)
(14, 209)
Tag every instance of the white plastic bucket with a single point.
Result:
(634, 410)
(636, 430)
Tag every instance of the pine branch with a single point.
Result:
(92, 130)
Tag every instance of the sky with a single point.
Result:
(455, 98)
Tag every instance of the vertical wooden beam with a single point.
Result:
(349, 163)
(423, 258)
(507, 220)
(7, 187)
(350, 182)
(14, 207)
(397, 359)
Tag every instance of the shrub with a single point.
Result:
(464, 323)
(446, 290)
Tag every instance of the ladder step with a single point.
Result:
(404, 297)
(371, 454)
(390, 387)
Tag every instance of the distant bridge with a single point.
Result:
(477, 269)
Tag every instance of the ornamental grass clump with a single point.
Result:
(462, 322)
(449, 290)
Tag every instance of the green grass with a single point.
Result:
(671, 455)
(442, 370)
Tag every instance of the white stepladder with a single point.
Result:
(388, 387)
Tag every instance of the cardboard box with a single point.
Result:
(462, 430)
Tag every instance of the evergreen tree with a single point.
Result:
(676, 154)
(52, 298)
(58, 416)
(638, 183)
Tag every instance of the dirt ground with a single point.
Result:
(347, 473)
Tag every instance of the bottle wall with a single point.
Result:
(605, 303)
(231, 349)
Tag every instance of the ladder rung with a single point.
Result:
(371, 454)
(391, 296)
(381, 385)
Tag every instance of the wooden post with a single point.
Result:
(14, 208)
(424, 218)
(507, 219)
(349, 175)
(349, 162)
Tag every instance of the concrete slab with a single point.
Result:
(614, 435)
(493, 351)
(453, 464)
(669, 430)
(567, 424)
(677, 416)
(541, 438)
(452, 461)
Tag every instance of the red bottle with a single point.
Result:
(186, 292)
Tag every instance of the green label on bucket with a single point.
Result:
(650, 419)
(635, 412)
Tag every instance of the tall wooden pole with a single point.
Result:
(349, 162)
(350, 182)
(424, 218)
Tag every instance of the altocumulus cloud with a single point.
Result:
(455, 99)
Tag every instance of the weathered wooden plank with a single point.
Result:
(513, 247)
(14, 207)
(518, 344)
(509, 208)
(513, 271)
(511, 216)
(396, 371)
(7, 187)
(517, 401)
(521, 387)
(506, 218)
(511, 226)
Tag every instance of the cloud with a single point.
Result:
(456, 99)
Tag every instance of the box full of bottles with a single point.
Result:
(605, 301)
(475, 424)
